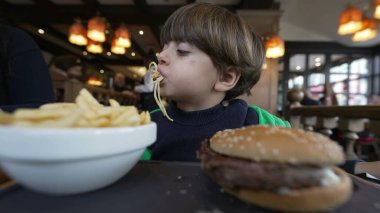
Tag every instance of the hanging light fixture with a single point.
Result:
(96, 29)
(377, 9)
(95, 81)
(367, 32)
(94, 47)
(350, 21)
(96, 34)
(116, 49)
(77, 33)
(275, 47)
(122, 37)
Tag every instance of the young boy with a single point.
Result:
(210, 56)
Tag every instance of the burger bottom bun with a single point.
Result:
(301, 200)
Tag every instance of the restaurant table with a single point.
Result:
(162, 187)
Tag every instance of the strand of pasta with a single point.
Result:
(156, 88)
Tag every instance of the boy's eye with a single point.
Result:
(182, 52)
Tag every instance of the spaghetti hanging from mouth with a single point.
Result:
(157, 78)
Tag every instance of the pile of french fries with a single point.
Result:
(85, 112)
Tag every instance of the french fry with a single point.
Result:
(129, 117)
(89, 98)
(38, 114)
(5, 118)
(58, 106)
(67, 121)
(113, 103)
(86, 109)
(144, 118)
(85, 112)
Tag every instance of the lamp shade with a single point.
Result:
(116, 49)
(367, 32)
(350, 21)
(96, 29)
(95, 81)
(275, 47)
(94, 47)
(122, 37)
(377, 9)
(77, 34)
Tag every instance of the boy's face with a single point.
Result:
(189, 74)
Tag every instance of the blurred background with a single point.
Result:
(323, 47)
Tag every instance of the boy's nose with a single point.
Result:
(162, 58)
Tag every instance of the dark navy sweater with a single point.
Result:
(179, 140)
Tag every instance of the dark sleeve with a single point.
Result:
(252, 117)
(29, 82)
(349, 166)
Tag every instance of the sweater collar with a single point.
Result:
(202, 117)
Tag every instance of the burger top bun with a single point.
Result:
(277, 144)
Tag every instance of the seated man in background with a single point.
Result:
(308, 100)
(119, 82)
(24, 76)
(119, 85)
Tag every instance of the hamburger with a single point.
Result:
(278, 168)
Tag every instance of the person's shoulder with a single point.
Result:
(238, 103)
(17, 39)
(267, 118)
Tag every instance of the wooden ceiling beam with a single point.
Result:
(114, 14)
(143, 7)
(93, 6)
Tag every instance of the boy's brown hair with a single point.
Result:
(223, 36)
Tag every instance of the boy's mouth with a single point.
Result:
(159, 71)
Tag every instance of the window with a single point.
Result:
(297, 63)
(316, 62)
(316, 79)
(346, 75)
(295, 81)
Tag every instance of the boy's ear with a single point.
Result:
(227, 80)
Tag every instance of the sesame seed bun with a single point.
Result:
(278, 144)
(271, 144)
(315, 199)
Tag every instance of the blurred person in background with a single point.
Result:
(25, 81)
(308, 100)
(120, 85)
(147, 101)
(66, 67)
(119, 82)
(329, 97)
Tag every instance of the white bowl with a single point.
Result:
(69, 161)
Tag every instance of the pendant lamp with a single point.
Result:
(367, 32)
(96, 29)
(77, 34)
(350, 21)
(275, 47)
